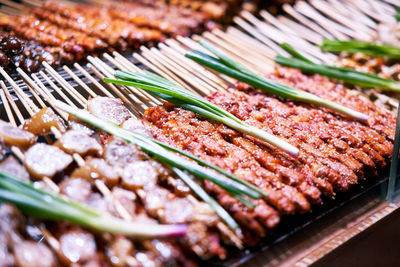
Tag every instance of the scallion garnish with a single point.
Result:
(45, 205)
(366, 48)
(229, 67)
(179, 96)
(344, 74)
(164, 153)
(397, 15)
(199, 191)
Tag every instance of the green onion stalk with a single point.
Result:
(366, 48)
(45, 205)
(344, 74)
(224, 64)
(165, 154)
(397, 15)
(173, 93)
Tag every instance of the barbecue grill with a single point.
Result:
(302, 25)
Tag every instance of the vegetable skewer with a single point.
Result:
(229, 67)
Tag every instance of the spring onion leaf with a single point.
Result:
(179, 96)
(45, 205)
(199, 191)
(288, 48)
(212, 166)
(158, 152)
(343, 74)
(235, 70)
(367, 48)
(163, 153)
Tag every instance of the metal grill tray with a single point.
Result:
(290, 225)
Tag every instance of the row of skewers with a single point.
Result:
(63, 32)
(271, 156)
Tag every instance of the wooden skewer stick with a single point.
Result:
(147, 58)
(113, 87)
(121, 64)
(12, 102)
(32, 86)
(79, 81)
(179, 72)
(57, 89)
(93, 80)
(19, 92)
(189, 67)
(67, 87)
(177, 53)
(7, 107)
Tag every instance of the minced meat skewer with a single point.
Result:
(292, 124)
(44, 160)
(214, 148)
(380, 119)
(309, 145)
(353, 133)
(92, 24)
(80, 189)
(14, 136)
(140, 173)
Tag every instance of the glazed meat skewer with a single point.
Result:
(142, 192)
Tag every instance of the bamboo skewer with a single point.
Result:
(123, 64)
(94, 81)
(7, 108)
(79, 81)
(169, 62)
(122, 211)
(187, 66)
(12, 102)
(101, 186)
(181, 74)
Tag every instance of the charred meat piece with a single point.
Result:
(77, 246)
(136, 126)
(12, 166)
(6, 257)
(126, 198)
(205, 244)
(205, 142)
(30, 253)
(25, 54)
(178, 210)
(119, 153)
(97, 168)
(14, 136)
(45, 160)
(77, 189)
(78, 142)
(11, 220)
(381, 120)
(155, 200)
(109, 109)
(42, 121)
(140, 174)
(120, 251)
